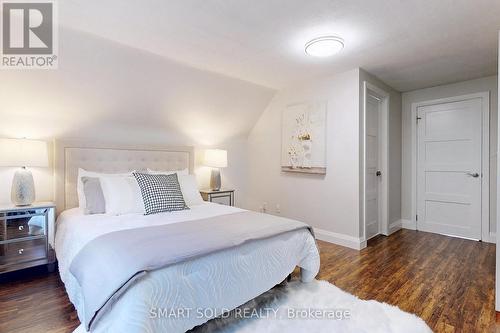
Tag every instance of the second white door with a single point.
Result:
(449, 168)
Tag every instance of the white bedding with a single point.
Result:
(222, 280)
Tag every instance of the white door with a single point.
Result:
(372, 214)
(449, 168)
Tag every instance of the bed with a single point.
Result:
(179, 296)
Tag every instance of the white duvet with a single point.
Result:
(182, 296)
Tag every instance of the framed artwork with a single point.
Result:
(303, 145)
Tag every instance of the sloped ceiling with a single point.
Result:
(107, 91)
(408, 44)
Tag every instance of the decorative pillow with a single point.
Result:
(122, 195)
(161, 193)
(168, 172)
(94, 198)
(190, 191)
(85, 173)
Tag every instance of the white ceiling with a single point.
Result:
(409, 44)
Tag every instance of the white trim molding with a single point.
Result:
(340, 239)
(497, 259)
(485, 159)
(408, 224)
(492, 238)
(395, 226)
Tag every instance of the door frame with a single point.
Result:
(383, 202)
(485, 158)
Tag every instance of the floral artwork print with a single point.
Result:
(304, 139)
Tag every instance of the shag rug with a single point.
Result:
(318, 306)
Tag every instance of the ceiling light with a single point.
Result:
(324, 46)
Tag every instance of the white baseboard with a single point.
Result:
(395, 226)
(340, 239)
(492, 238)
(407, 224)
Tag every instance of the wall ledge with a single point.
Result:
(492, 238)
(407, 224)
(340, 239)
(395, 226)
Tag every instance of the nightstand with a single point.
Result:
(27, 236)
(223, 196)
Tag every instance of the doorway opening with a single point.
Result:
(375, 166)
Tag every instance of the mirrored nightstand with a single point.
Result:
(223, 196)
(27, 236)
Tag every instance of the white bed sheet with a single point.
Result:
(222, 280)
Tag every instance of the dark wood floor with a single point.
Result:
(449, 282)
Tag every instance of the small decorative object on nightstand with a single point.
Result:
(27, 236)
(23, 153)
(222, 196)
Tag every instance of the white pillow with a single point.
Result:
(122, 195)
(84, 173)
(189, 189)
(168, 172)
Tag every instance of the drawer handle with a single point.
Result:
(21, 227)
(20, 251)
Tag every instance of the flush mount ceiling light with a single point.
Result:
(324, 46)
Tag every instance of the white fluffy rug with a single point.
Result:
(315, 307)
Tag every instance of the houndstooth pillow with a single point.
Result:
(161, 193)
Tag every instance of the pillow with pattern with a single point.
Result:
(160, 193)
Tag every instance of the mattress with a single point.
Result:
(197, 289)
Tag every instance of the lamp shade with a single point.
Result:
(216, 158)
(23, 153)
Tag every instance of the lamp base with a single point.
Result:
(215, 179)
(23, 188)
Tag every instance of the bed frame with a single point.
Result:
(69, 155)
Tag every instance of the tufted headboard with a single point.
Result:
(69, 155)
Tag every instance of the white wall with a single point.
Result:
(330, 203)
(497, 279)
(462, 88)
(109, 92)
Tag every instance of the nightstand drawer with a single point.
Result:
(22, 251)
(22, 226)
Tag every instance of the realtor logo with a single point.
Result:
(29, 34)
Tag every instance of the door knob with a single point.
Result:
(378, 173)
(475, 174)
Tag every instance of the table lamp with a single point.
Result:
(23, 153)
(216, 159)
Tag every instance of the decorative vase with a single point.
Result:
(306, 155)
